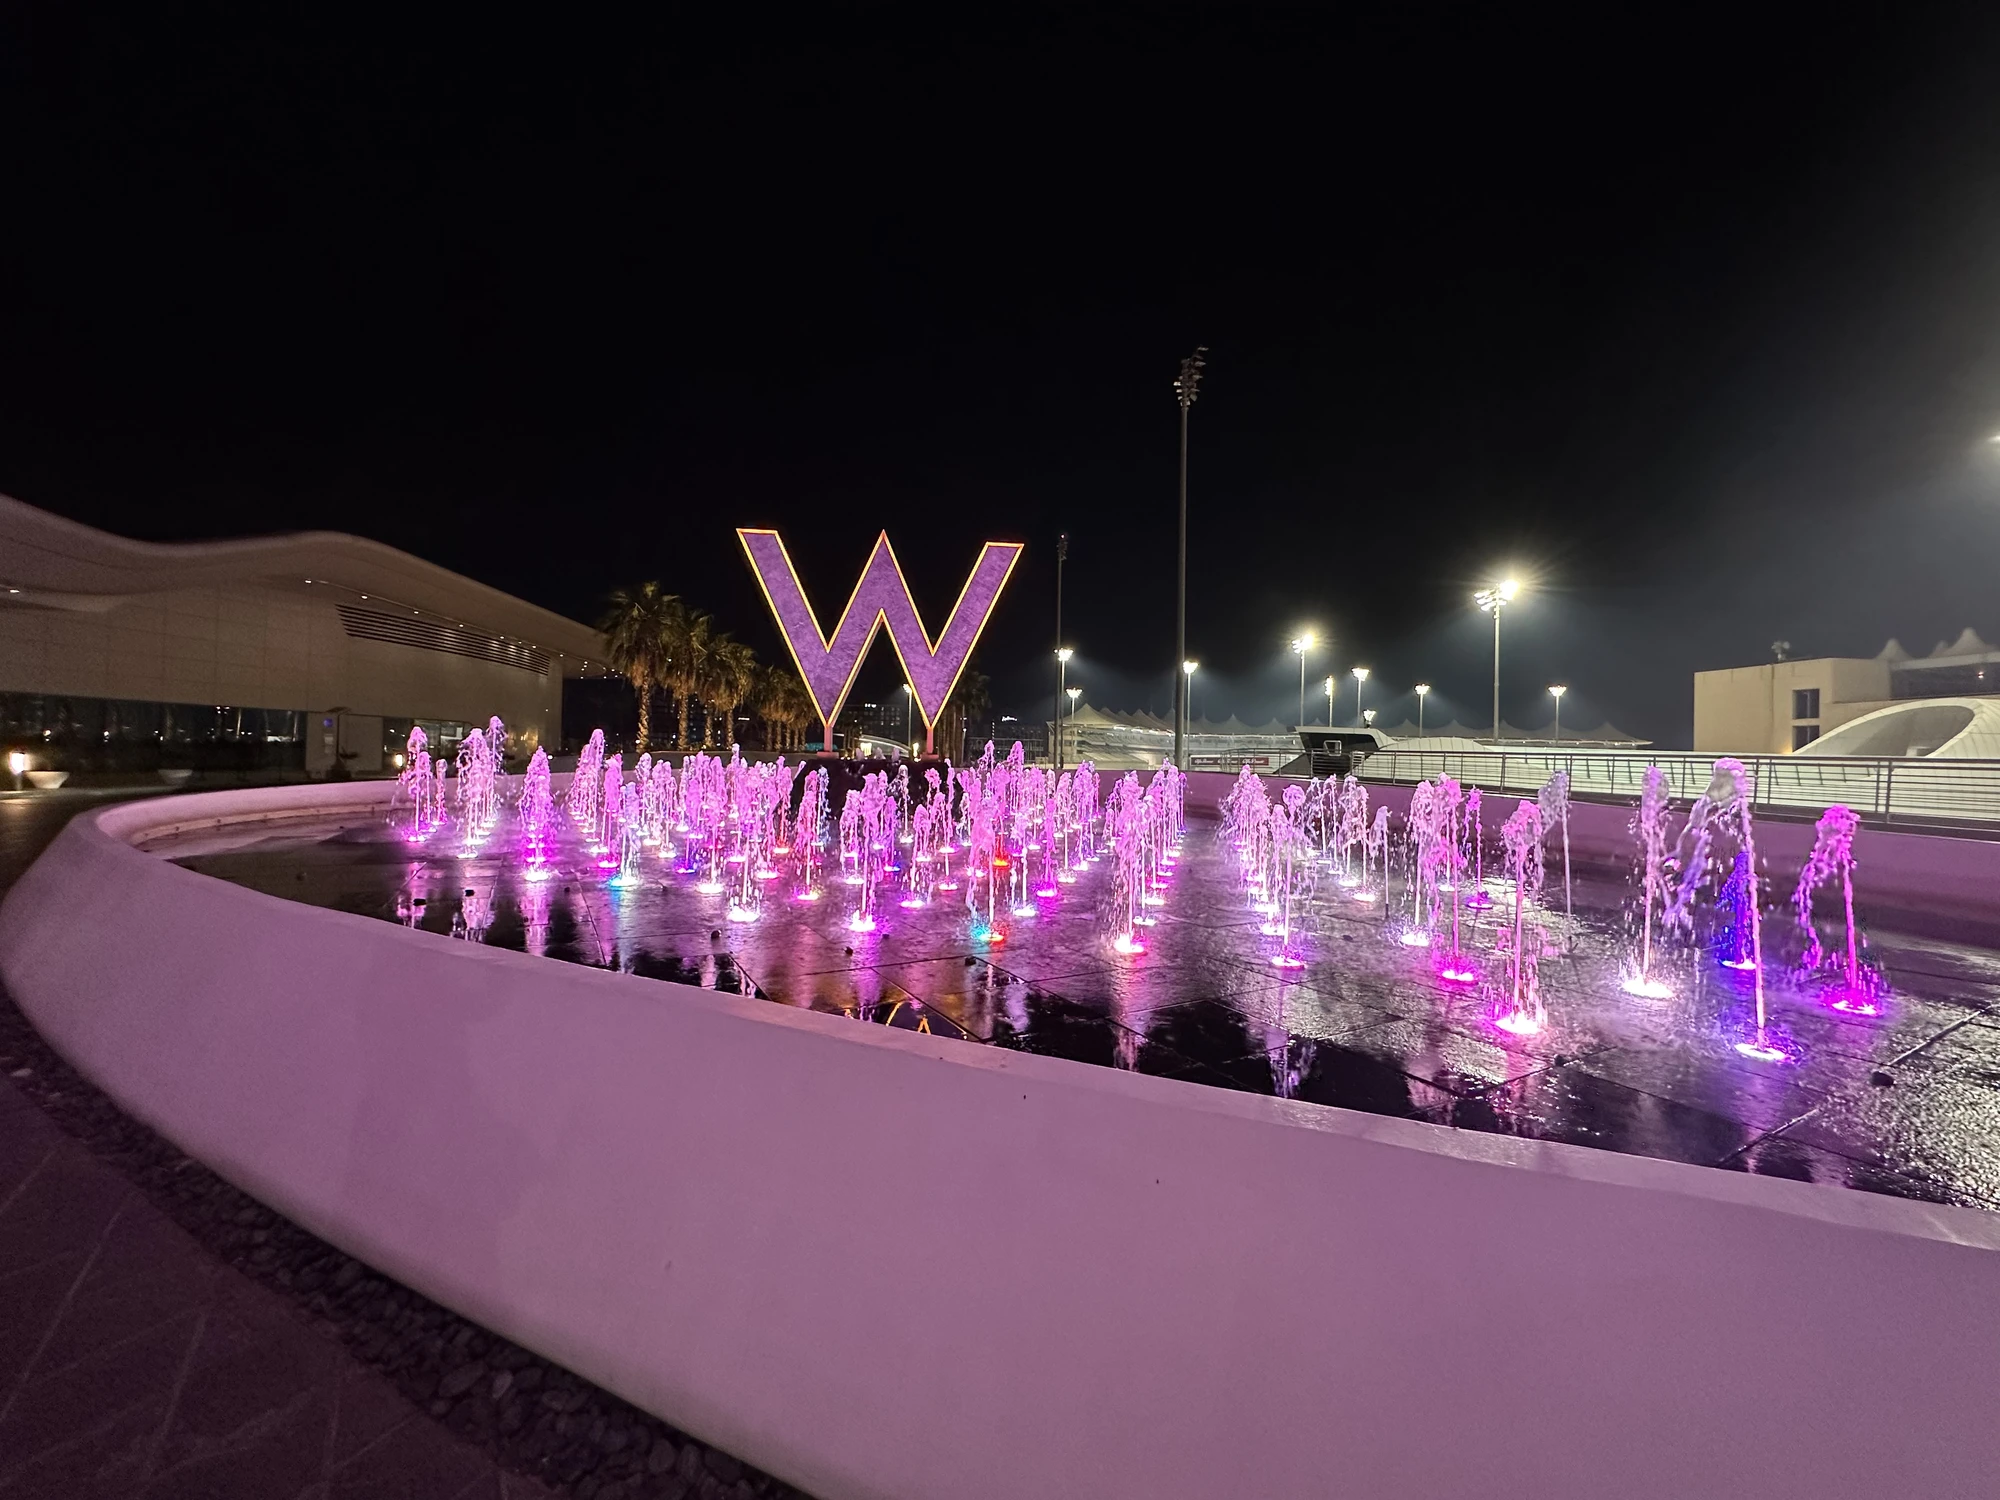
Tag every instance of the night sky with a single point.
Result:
(1696, 327)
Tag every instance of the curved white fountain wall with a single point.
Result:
(882, 1264)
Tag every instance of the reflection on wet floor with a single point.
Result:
(1907, 1103)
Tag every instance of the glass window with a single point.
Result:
(1805, 703)
(1803, 735)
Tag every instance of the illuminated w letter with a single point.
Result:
(829, 665)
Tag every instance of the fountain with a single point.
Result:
(631, 837)
(1475, 832)
(1554, 804)
(1649, 825)
(478, 787)
(1522, 835)
(1449, 850)
(809, 835)
(1832, 859)
(1724, 811)
(586, 785)
(1292, 867)
(420, 788)
(1425, 832)
(538, 817)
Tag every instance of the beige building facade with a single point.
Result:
(295, 652)
(1780, 707)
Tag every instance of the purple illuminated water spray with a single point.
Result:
(538, 816)
(1649, 823)
(1522, 835)
(1832, 858)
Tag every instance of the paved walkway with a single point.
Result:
(132, 1363)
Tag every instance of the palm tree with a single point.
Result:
(970, 699)
(732, 674)
(693, 637)
(784, 705)
(638, 626)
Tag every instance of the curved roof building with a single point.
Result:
(267, 653)
(1942, 728)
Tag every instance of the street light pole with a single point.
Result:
(907, 699)
(1062, 555)
(1063, 654)
(1072, 694)
(1556, 692)
(1423, 692)
(1360, 676)
(1187, 671)
(1494, 600)
(1184, 387)
(1496, 673)
(1300, 645)
(1329, 700)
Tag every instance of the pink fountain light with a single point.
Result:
(1522, 835)
(1857, 990)
(1649, 823)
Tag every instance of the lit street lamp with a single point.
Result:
(1423, 692)
(1063, 654)
(1494, 600)
(1368, 719)
(1300, 646)
(1329, 701)
(906, 711)
(1184, 388)
(1360, 676)
(1556, 692)
(1072, 694)
(1187, 704)
(1062, 556)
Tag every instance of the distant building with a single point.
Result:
(272, 653)
(1785, 706)
(875, 730)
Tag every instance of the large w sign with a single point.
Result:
(829, 664)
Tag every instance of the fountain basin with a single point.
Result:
(766, 1225)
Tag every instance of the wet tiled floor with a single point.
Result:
(1906, 1103)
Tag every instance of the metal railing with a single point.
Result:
(1918, 792)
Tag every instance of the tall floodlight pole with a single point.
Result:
(1184, 387)
(1063, 654)
(1301, 644)
(1360, 676)
(1423, 692)
(1062, 556)
(1556, 692)
(1494, 600)
(1329, 701)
